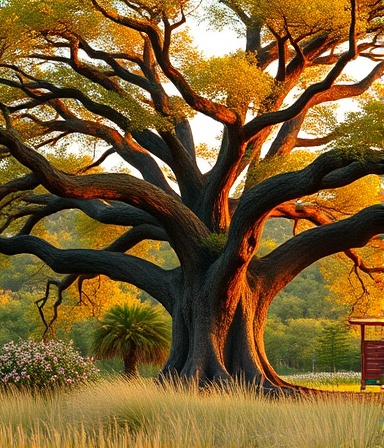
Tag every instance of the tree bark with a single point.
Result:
(130, 359)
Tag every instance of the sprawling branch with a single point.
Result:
(109, 58)
(24, 183)
(117, 266)
(361, 265)
(150, 82)
(175, 218)
(319, 242)
(319, 216)
(272, 118)
(269, 119)
(297, 211)
(125, 147)
(287, 139)
(41, 97)
(114, 213)
(123, 244)
(179, 154)
(330, 170)
(210, 108)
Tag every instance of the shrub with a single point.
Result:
(43, 365)
(137, 333)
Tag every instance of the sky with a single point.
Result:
(214, 43)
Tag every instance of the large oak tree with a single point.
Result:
(124, 75)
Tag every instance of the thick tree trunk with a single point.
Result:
(208, 345)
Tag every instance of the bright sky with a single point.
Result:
(216, 43)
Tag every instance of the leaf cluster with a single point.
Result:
(321, 119)
(272, 166)
(215, 242)
(233, 80)
(151, 10)
(42, 15)
(356, 290)
(300, 19)
(363, 129)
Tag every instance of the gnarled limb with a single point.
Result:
(272, 118)
(362, 265)
(121, 187)
(197, 102)
(42, 91)
(287, 138)
(326, 240)
(330, 170)
(319, 217)
(128, 240)
(40, 303)
(111, 212)
(124, 146)
(118, 266)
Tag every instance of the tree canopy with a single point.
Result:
(123, 78)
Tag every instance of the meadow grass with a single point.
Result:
(116, 413)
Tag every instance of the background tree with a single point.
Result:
(18, 316)
(292, 346)
(124, 76)
(336, 349)
(137, 333)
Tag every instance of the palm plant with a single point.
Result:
(137, 333)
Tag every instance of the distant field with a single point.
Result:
(117, 413)
(340, 381)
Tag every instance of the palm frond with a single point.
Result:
(142, 327)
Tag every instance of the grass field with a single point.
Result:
(117, 413)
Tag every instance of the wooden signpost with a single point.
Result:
(372, 350)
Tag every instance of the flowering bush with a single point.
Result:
(43, 365)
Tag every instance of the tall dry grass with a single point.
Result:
(140, 414)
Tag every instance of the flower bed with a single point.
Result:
(41, 365)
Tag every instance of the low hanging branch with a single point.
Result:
(40, 303)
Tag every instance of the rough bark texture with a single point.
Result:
(130, 360)
(219, 295)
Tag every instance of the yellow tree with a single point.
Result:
(88, 295)
(105, 70)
